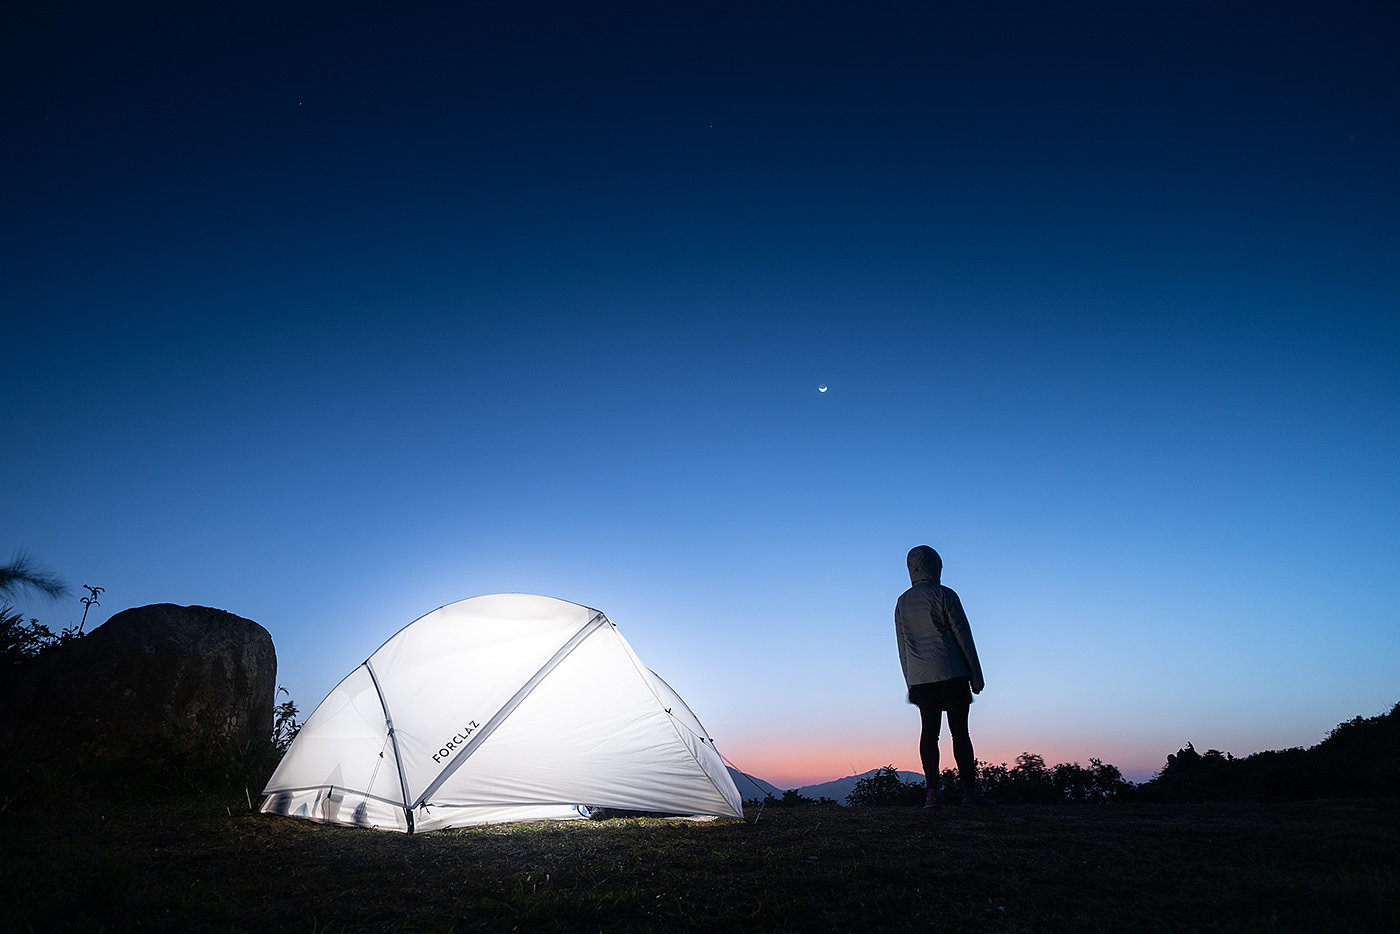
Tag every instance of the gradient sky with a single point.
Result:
(328, 315)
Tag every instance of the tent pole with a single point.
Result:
(398, 760)
(480, 736)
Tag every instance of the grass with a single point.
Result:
(201, 864)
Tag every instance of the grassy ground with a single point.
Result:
(193, 865)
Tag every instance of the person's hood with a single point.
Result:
(925, 566)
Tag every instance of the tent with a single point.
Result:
(506, 707)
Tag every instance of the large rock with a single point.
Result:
(160, 678)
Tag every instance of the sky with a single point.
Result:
(331, 314)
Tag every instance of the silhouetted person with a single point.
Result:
(940, 667)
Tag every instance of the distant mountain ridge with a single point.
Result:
(837, 789)
(751, 786)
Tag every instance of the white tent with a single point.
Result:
(506, 707)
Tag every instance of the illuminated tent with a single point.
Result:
(506, 707)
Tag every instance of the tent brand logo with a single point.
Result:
(457, 739)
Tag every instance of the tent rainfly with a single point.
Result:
(505, 707)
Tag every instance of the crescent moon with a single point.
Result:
(821, 388)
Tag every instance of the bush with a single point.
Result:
(22, 642)
(1359, 758)
(885, 789)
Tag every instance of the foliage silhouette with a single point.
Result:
(22, 572)
(885, 789)
(285, 725)
(22, 642)
(792, 798)
(1359, 758)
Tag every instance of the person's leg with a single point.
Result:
(962, 747)
(932, 718)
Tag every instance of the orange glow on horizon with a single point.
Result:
(795, 766)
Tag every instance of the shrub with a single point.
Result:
(884, 789)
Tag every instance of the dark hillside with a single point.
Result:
(1359, 759)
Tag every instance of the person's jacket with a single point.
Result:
(935, 640)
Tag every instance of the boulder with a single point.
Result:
(153, 679)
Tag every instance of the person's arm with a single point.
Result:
(962, 634)
(901, 637)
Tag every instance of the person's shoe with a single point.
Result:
(932, 800)
(972, 799)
